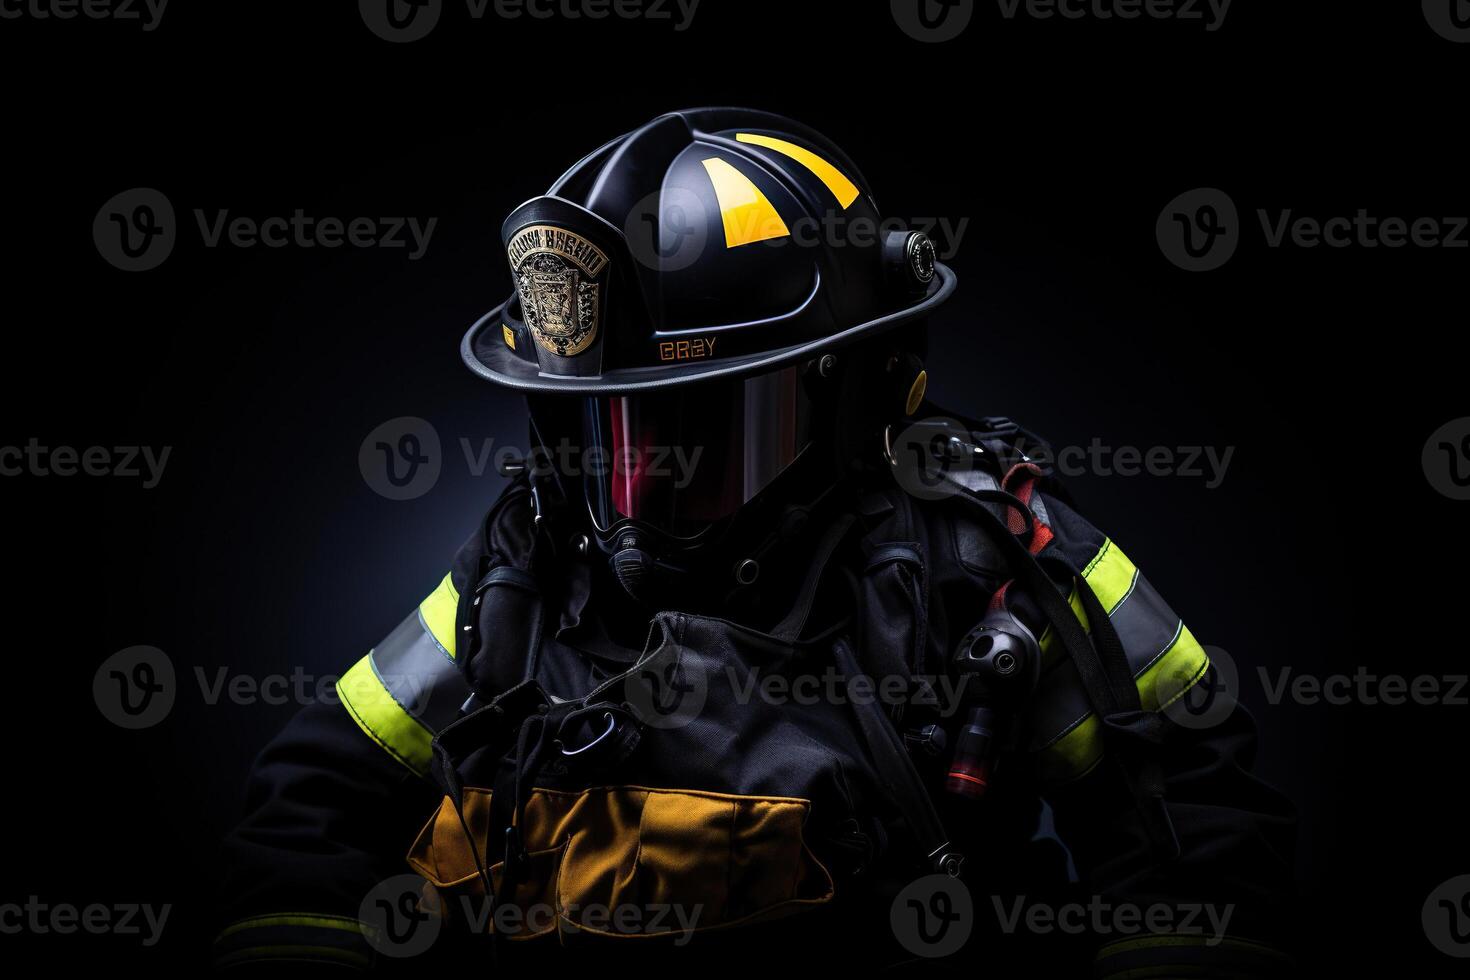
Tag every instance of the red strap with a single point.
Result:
(1020, 482)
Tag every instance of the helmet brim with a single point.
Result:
(485, 353)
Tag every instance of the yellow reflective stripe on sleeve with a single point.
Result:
(295, 937)
(382, 718)
(1173, 956)
(1177, 670)
(1112, 575)
(439, 611)
(748, 215)
(312, 920)
(843, 189)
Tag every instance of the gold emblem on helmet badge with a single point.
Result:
(560, 278)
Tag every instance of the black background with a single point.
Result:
(264, 550)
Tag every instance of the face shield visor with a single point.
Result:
(685, 458)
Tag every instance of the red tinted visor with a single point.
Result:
(683, 459)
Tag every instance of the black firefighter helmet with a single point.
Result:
(695, 309)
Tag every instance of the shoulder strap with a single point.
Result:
(1103, 667)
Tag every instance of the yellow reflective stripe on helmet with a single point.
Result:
(439, 611)
(748, 215)
(384, 720)
(843, 189)
(1177, 670)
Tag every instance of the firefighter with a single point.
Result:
(758, 650)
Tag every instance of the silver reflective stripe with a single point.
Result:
(418, 672)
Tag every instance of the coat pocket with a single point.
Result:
(633, 862)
